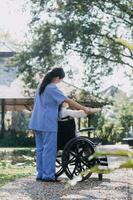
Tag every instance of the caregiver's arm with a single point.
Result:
(74, 105)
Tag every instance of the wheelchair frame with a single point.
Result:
(77, 156)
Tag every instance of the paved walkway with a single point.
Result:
(115, 186)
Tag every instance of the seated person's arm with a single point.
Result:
(72, 113)
(75, 105)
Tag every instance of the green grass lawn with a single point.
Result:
(13, 173)
(16, 163)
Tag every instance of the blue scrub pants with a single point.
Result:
(46, 151)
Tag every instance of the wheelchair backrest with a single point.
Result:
(66, 131)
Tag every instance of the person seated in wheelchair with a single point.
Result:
(66, 123)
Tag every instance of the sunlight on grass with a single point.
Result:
(10, 174)
(16, 163)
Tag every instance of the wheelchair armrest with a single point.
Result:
(87, 129)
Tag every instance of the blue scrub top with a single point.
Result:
(45, 111)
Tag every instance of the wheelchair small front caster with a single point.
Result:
(100, 177)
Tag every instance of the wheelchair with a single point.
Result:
(75, 154)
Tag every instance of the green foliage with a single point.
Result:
(92, 100)
(17, 133)
(4, 178)
(115, 126)
(117, 153)
(20, 121)
(18, 139)
(13, 172)
(16, 163)
(59, 28)
(7, 153)
(121, 152)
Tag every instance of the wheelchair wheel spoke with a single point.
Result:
(73, 154)
(84, 162)
(72, 161)
(59, 168)
(58, 163)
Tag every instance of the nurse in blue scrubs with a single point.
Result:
(44, 122)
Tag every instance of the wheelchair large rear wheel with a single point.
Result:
(76, 158)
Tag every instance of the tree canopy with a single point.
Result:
(92, 29)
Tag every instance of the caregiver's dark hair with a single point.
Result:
(56, 72)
